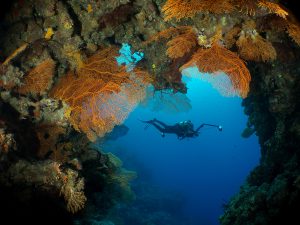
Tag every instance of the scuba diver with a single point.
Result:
(182, 129)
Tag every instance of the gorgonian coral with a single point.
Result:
(101, 94)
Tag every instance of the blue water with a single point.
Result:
(207, 170)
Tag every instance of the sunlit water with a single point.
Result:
(207, 170)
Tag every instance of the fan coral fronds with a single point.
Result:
(219, 81)
(72, 191)
(184, 39)
(109, 108)
(169, 32)
(135, 88)
(182, 44)
(48, 176)
(114, 161)
(248, 6)
(73, 56)
(294, 32)
(103, 65)
(188, 8)
(82, 94)
(101, 95)
(252, 46)
(219, 59)
(180, 9)
(38, 80)
(253, 7)
(166, 101)
(273, 8)
(278, 24)
(255, 48)
(120, 178)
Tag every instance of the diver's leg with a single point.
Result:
(147, 121)
(161, 123)
(161, 129)
(152, 122)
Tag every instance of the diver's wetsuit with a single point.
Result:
(182, 129)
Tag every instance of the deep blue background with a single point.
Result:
(208, 169)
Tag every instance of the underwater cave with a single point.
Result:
(194, 121)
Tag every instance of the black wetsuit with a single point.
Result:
(182, 129)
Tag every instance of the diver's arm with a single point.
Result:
(202, 125)
(212, 125)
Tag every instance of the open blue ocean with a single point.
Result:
(202, 173)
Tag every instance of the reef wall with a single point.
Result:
(57, 67)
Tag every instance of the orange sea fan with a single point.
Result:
(294, 32)
(103, 105)
(169, 33)
(82, 94)
(251, 46)
(291, 26)
(220, 81)
(38, 80)
(179, 9)
(181, 44)
(103, 65)
(255, 48)
(135, 89)
(273, 8)
(183, 39)
(219, 59)
(101, 94)
(250, 7)
(253, 7)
